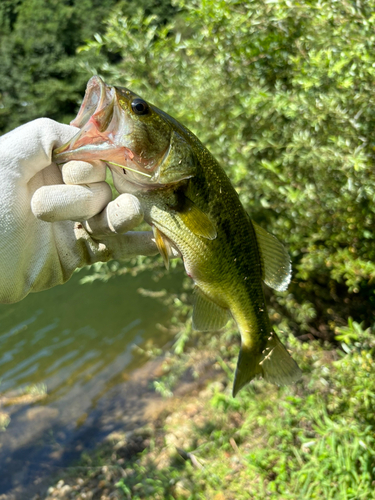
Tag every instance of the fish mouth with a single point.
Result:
(103, 131)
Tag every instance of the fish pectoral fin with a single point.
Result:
(194, 219)
(278, 366)
(274, 364)
(163, 245)
(207, 316)
(277, 269)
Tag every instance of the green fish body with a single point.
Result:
(193, 208)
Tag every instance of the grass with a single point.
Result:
(313, 440)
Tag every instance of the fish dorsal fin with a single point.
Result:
(163, 245)
(194, 219)
(277, 269)
(274, 364)
(207, 316)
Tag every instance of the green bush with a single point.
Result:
(40, 72)
(313, 440)
(282, 94)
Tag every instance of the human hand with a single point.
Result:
(40, 244)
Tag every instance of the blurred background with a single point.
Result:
(281, 93)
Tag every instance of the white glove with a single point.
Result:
(35, 254)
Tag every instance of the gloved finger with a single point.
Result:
(131, 244)
(81, 172)
(120, 215)
(29, 147)
(62, 202)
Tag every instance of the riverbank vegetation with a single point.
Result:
(313, 440)
(282, 93)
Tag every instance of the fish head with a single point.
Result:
(131, 135)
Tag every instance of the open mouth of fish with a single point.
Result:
(103, 131)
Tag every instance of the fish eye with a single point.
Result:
(140, 107)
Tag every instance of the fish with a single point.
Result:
(193, 210)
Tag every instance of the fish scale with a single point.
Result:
(229, 270)
(189, 201)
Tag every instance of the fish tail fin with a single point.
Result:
(278, 366)
(248, 367)
(274, 364)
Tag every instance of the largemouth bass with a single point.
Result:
(192, 208)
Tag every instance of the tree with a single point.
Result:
(40, 71)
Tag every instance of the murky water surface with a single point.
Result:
(76, 343)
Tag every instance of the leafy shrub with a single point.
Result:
(40, 72)
(282, 94)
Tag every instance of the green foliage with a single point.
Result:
(313, 440)
(40, 72)
(282, 94)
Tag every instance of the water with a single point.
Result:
(76, 342)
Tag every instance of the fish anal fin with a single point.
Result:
(195, 219)
(163, 245)
(278, 367)
(207, 315)
(274, 364)
(276, 264)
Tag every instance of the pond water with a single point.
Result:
(74, 345)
